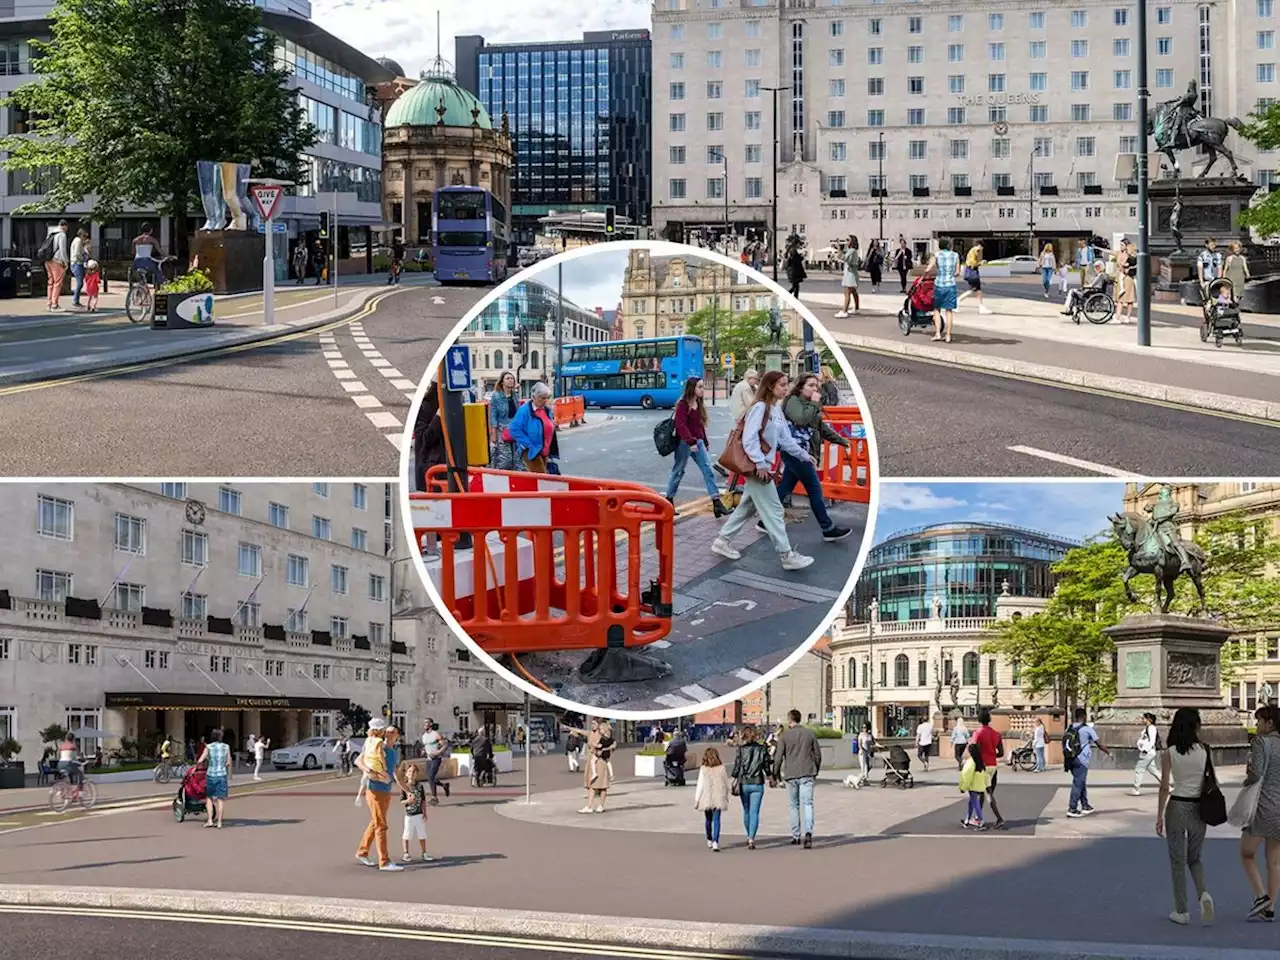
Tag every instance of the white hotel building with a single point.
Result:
(972, 121)
(259, 607)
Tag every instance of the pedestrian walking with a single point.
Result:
(1262, 822)
(924, 742)
(318, 262)
(573, 751)
(299, 263)
(849, 280)
(793, 263)
(1085, 256)
(902, 262)
(797, 763)
(744, 395)
(944, 269)
(959, 740)
(830, 388)
(711, 795)
(1208, 265)
(866, 751)
(260, 746)
(435, 747)
(428, 438)
(414, 798)
(502, 410)
(533, 429)
(1127, 274)
(1038, 744)
(92, 285)
(874, 264)
(1078, 743)
(216, 755)
(1236, 269)
(974, 782)
(79, 256)
(397, 260)
(1182, 770)
(1064, 276)
(372, 756)
(56, 256)
(1048, 267)
(764, 429)
(973, 275)
(750, 770)
(343, 749)
(378, 799)
(691, 418)
(809, 428)
(600, 747)
(991, 744)
(1148, 753)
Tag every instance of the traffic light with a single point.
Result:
(610, 213)
(324, 225)
(517, 340)
(524, 341)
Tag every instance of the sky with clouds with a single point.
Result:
(405, 30)
(591, 281)
(1073, 510)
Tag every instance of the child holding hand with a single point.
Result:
(973, 781)
(92, 285)
(415, 812)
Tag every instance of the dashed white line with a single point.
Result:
(700, 694)
(384, 421)
(674, 702)
(747, 675)
(1074, 462)
(356, 389)
(367, 401)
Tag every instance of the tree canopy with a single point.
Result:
(1263, 130)
(744, 334)
(133, 93)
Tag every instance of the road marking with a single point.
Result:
(384, 933)
(353, 386)
(701, 694)
(1075, 462)
(359, 392)
(673, 701)
(747, 675)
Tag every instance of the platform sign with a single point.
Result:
(457, 363)
(266, 196)
(727, 361)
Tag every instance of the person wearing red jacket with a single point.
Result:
(691, 426)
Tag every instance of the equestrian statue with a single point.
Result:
(1156, 546)
(1180, 125)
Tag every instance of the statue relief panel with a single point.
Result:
(1215, 216)
(1191, 670)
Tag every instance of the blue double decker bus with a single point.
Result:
(632, 373)
(469, 229)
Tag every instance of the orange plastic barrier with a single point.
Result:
(845, 472)
(569, 411)
(577, 595)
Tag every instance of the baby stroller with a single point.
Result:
(673, 764)
(917, 308)
(897, 769)
(1221, 319)
(190, 798)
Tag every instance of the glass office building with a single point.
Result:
(579, 113)
(536, 306)
(963, 564)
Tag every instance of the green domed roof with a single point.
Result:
(417, 105)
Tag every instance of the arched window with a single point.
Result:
(853, 672)
(969, 677)
(901, 670)
(533, 359)
(497, 359)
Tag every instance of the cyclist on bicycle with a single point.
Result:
(397, 259)
(68, 757)
(146, 254)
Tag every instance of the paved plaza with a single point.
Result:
(885, 861)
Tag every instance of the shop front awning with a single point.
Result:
(483, 706)
(159, 700)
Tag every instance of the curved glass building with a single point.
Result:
(963, 564)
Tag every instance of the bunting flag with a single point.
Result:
(194, 580)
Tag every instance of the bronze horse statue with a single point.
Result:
(1207, 132)
(1149, 554)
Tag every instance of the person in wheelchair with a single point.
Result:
(483, 769)
(1100, 283)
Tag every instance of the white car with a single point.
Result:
(314, 753)
(1024, 264)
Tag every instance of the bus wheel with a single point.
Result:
(646, 402)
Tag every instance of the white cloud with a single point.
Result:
(405, 30)
(912, 496)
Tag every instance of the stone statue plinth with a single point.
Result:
(1210, 209)
(1166, 661)
(775, 358)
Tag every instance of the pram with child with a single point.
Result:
(1221, 313)
(674, 762)
(897, 769)
(917, 308)
(191, 795)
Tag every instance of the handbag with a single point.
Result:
(665, 437)
(1213, 805)
(970, 274)
(1246, 805)
(734, 457)
(735, 787)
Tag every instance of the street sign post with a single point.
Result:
(458, 368)
(727, 361)
(267, 195)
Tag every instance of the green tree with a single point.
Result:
(742, 334)
(1263, 130)
(132, 93)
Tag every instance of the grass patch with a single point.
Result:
(825, 733)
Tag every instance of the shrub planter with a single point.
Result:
(13, 775)
(503, 759)
(647, 766)
(182, 311)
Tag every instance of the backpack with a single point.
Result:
(1070, 747)
(45, 253)
(665, 438)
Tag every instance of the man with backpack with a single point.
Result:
(56, 257)
(1149, 747)
(1077, 750)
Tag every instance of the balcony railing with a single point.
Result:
(894, 628)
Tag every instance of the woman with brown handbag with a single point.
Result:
(749, 452)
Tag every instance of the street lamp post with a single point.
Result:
(880, 191)
(1144, 252)
(773, 238)
(1031, 202)
(724, 157)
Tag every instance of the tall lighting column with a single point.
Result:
(1144, 251)
(880, 191)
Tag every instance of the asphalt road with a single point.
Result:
(55, 936)
(278, 410)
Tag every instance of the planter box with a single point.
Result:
(183, 311)
(13, 775)
(503, 759)
(648, 766)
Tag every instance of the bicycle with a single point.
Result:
(140, 301)
(63, 793)
(167, 770)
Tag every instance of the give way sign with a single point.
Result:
(267, 197)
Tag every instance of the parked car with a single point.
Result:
(314, 753)
(1024, 264)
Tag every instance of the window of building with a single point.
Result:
(1079, 19)
(229, 500)
(195, 548)
(129, 597)
(715, 188)
(875, 26)
(174, 491)
(751, 119)
(278, 515)
(53, 586)
(1079, 49)
(955, 53)
(1080, 113)
(901, 670)
(1164, 15)
(298, 571)
(836, 87)
(752, 29)
(1266, 39)
(751, 58)
(754, 153)
(875, 86)
(360, 538)
(676, 61)
(715, 120)
(1000, 148)
(1164, 46)
(715, 31)
(714, 60)
(675, 91)
(1079, 80)
(1164, 77)
(1121, 79)
(1266, 73)
(915, 117)
(955, 23)
(969, 666)
(919, 181)
(876, 150)
(1042, 147)
(715, 89)
(875, 118)
(955, 83)
(955, 116)
(915, 25)
(249, 615)
(753, 187)
(195, 606)
(839, 150)
(320, 490)
(995, 51)
(1039, 113)
(884, 674)
(55, 518)
(1265, 8)
(959, 149)
(675, 122)
(915, 54)
(875, 56)
(675, 154)
(249, 560)
(752, 89)
(296, 620)
(131, 534)
(917, 149)
(376, 631)
(715, 153)
(991, 672)
(320, 528)
(915, 86)
(835, 57)
(1086, 179)
(1128, 144)
(90, 717)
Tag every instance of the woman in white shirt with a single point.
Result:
(960, 740)
(1182, 768)
(765, 422)
(1048, 267)
(1038, 743)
